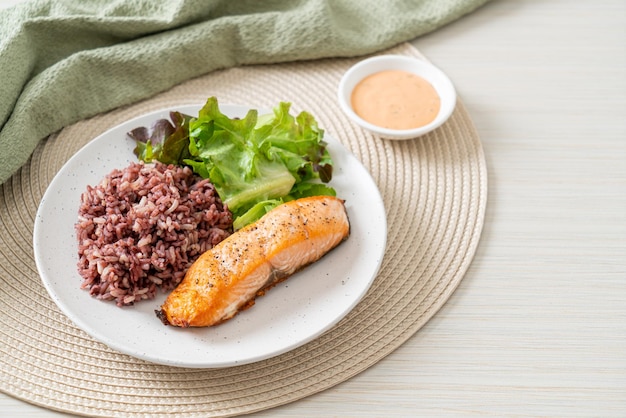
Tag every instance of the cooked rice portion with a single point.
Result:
(142, 227)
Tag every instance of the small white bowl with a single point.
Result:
(419, 67)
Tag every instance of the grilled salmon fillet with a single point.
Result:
(228, 277)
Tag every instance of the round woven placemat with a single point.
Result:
(434, 190)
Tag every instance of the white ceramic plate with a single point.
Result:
(288, 316)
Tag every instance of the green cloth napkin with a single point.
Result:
(63, 61)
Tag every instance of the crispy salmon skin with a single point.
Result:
(228, 277)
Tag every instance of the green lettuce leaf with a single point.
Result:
(255, 162)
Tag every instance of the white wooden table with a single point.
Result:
(538, 325)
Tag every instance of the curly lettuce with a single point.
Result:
(255, 163)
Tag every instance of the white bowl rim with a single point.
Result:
(378, 63)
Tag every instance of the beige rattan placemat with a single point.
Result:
(434, 189)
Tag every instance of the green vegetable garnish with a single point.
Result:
(255, 163)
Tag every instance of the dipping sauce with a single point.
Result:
(396, 99)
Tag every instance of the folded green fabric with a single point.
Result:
(63, 61)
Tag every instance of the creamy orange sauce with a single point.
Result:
(395, 99)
